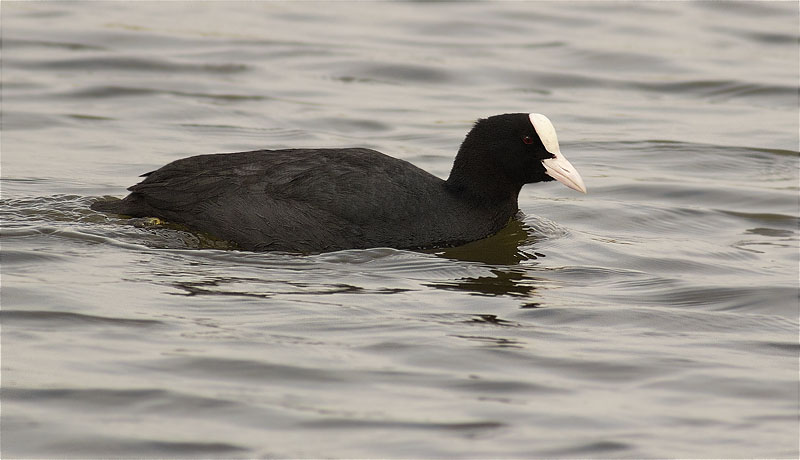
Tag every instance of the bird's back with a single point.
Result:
(305, 200)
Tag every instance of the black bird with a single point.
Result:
(319, 200)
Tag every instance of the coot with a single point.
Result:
(319, 200)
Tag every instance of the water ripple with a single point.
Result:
(60, 319)
(129, 63)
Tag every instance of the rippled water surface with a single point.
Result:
(656, 316)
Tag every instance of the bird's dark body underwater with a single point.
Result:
(320, 200)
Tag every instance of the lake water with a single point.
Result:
(656, 316)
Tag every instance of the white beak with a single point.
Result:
(562, 170)
(558, 168)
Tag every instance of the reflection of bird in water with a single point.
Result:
(499, 250)
(502, 248)
(514, 282)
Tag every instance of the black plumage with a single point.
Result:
(318, 200)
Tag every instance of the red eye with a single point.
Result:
(527, 140)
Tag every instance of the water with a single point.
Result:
(656, 316)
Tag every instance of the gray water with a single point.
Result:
(656, 316)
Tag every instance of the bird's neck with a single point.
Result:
(482, 182)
